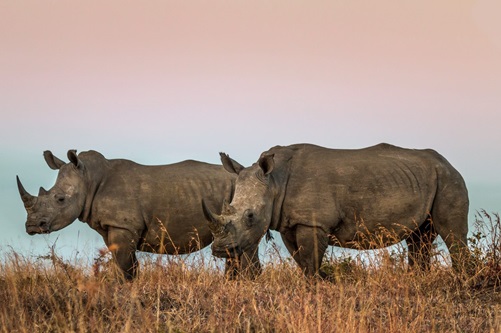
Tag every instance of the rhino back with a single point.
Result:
(380, 185)
(161, 203)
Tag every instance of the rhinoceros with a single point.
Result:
(134, 207)
(315, 197)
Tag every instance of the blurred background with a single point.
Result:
(163, 81)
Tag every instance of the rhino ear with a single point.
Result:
(52, 161)
(72, 156)
(267, 163)
(231, 165)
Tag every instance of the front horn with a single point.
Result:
(27, 198)
(214, 220)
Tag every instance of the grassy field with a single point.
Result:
(174, 295)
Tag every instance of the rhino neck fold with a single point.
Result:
(280, 181)
(276, 217)
(94, 177)
(85, 216)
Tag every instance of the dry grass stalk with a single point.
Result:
(173, 294)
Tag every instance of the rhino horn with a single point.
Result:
(227, 208)
(42, 191)
(27, 198)
(214, 220)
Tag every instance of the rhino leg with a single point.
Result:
(419, 244)
(246, 265)
(289, 239)
(250, 264)
(122, 245)
(307, 246)
(450, 220)
(231, 268)
(456, 242)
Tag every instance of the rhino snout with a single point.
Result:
(39, 227)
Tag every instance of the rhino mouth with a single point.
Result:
(39, 228)
(227, 251)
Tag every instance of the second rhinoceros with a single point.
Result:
(315, 197)
(134, 207)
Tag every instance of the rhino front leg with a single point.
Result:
(250, 264)
(246, 265)
(122, 244)
(231, 268)
(311, 243)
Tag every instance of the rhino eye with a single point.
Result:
(60, 198)
(249, 217)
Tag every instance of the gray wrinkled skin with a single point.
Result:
(134, 207)
(316, 197)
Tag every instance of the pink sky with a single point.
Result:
(236, 75)
(161, 81)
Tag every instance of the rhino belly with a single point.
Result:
(174, 239)
(375, 229)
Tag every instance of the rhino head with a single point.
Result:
(245, 220)
(58, 207)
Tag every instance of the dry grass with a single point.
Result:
(50, 295)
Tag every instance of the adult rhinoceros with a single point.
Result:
(317, 197)
(132, 206)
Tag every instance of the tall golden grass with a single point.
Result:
(177, 295)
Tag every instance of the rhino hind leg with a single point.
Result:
(450, 220)
(419, 244)
(455, 238)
